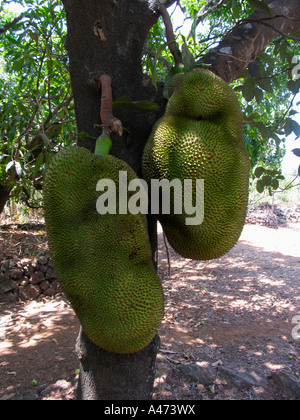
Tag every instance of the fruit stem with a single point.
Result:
(110, 123)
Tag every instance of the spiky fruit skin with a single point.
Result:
(103, 262)
(201, 137)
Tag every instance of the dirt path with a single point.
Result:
(235, 312)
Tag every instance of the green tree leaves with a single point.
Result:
(267, 179)
(261, 5)
(36, 108)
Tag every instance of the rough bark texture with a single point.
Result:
(116, 376)
(250, 38)
(4, 196)
(107, 37)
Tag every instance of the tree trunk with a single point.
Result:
(108, 376)
(107, 37)
(4, 196)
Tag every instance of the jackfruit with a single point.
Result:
(103, 261)
(201, 137)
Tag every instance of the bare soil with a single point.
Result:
(234, 312)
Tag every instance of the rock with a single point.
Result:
(45, 285)
(24, 281)
(50, 291)
(33, 291)
(8, 297)
(11, 264)
(15, 273)
(30, 395)
(42, 260)
(289, 386)
(42, 268)
(29, 292)
(199, 372)
(28, 270)
(50, 274)
(37, 277)
(7, 284)
(240, 378)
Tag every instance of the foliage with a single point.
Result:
(36, 105)
(36, 109)
(267, 88)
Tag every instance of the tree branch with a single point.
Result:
(11, 24)
(209, 7)
(170, 35)
(249, 38)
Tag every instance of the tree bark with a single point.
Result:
(107, 37)
(243, 44)
(108, 376)
(4, 196)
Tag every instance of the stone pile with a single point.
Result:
(27, 279)
(266, 215)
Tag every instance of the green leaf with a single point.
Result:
(259, 4)
(235, 9)
(296, 152)
(260, 186)
(265, 132)
(291, 126)
(143, 105)
(259, 96)
(266, 180)
(188, 58)
(162, 48)
(253, 68)
(293, 86)
(34, 36)
(17, 66)
(249, 89)
(296, 128)
(259, 171)
(38, 163)
(265, 84)
(86, 136)
(275, 184)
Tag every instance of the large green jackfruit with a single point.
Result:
(103, 262)
(201, 137)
